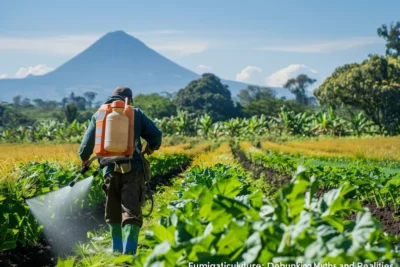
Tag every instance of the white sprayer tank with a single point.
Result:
(116, 131)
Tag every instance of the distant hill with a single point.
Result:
(115, 59)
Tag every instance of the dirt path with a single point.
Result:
(271, 176)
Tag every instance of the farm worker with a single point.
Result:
(124, 182)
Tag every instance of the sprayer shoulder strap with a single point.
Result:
(137, 150)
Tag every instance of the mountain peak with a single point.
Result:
(117, 33)
(119, 36)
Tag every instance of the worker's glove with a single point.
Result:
(84, 163)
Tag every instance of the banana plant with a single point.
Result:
(217, 130)
(233, 127)
(185, 123)
(359, 123)
(205, 125)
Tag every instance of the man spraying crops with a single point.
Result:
(123, 181)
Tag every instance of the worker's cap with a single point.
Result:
(123, 91)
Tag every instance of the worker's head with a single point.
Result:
(123, 91)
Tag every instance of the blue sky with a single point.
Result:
(263, 42)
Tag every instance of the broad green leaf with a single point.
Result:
(252, 247)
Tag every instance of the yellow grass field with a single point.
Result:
(223, 154)
(381, 148)
(11, 155)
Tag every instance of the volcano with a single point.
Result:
(115, 59)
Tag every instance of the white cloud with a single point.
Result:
(204, 67)
(67, 45)
(325, 47)
(74, 44)
(33, 70)
(280, 77)
(250, 74)
(182, 47)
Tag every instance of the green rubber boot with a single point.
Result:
(116, 237)
(131, 236)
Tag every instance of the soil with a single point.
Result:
(46, 252)
(385, 216)
(271, 176)
(166, 179)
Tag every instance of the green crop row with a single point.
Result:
(219, 217)
(372, 182)
(163, 163)
(17, 225)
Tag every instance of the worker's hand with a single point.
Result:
(148, 151)
(84, 162)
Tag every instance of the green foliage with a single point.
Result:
(255, 93)
(207, 95)
(46, 131)
(298, 87)
(271, 107)
(371, 182)
(392, 37)
(262, 101)
(287, 122)
(372, 86)
(70, 112)
(220, 218)
(16, 222)
(90, 96)
(12, 117)
(162, 163)
(155, 105)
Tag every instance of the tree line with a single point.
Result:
(82, 102)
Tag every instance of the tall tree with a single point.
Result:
(80, 102)
(17, 100)
(90, 96)
(50, 105)
(64, 101)
(70, 112)
(298, 86)
(372, 86)
(38, 102)
(26, 102)
(155, 105)
(392, 37)
(255, 93)
(207, 95)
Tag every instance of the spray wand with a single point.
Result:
(102, 162)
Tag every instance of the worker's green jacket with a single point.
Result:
(144, 127)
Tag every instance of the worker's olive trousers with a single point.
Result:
(124, 196)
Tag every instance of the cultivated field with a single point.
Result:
(220, 202)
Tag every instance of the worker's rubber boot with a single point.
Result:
(116, 237)
(131, 236)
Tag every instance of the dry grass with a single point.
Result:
(223, 154)
(247, 147)
(12, 155)
(380, 148)
(175, 149)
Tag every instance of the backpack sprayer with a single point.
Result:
(114, 142)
